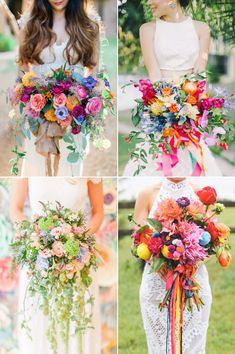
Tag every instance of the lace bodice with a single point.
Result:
(176, 44)
(173, 190)
(153, 289)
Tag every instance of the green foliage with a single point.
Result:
(7, 43)
(129, 51)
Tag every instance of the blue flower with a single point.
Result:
(89, 82)
(42, 263)
(82, 253)
(79, 119)
(183, 202)
(61, 113)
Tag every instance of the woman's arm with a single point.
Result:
(24, 67)
(18, 196)
(95, 192)
(142, 206)
(147, 31)
(203, 31)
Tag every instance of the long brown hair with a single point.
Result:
(38, 34)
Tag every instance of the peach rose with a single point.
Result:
(60, 100)
(94, 106)
(58, 249)
(38, 102)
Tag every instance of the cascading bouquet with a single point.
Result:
(183, 234)
(174, 115)
(58, 105)
(59, 254)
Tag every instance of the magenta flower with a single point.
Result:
(65, 84)
(155, 245)
(24, 98)
(78, 111)
(75, 130)
(28, 90)
(31, 112)
(57, 89)
(145, 85)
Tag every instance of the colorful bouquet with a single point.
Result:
(183, 234)
(59, 254)
(58, 105)
(174, 115)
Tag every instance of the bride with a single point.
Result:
(52, 34)
(72, 193)
(153, 285)
(172, 46)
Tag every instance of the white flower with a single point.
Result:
(189, 111)
(12, 114)
(106, 144)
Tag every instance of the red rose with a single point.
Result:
(207, 195)
(149, 96)
(211, 228)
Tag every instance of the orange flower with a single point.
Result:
(50, 115)
(195, 208)
(223, 230)
(173, 108)
(191, 99)
(168, 209)
(48, 95)
(204, 95)
(71, 103)
(168, 132)
(190, 87)
(166, 91)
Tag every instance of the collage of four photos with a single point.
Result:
(117, 176)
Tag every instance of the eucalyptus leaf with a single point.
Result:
(73, 157)
(155, 224)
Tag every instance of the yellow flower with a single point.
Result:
(156, 107)
(27, 79)
(165, 251)
(71, 103)
(143, 252)
(50, 115)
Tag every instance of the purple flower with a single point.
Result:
(89, 82)
(78, 111)
(24, 98)
(61, 113)
(42, 263)
(57, 89)
(171, 249)
(108, 198)
(28, 90)
(183, 202)
(65, 84)
(82, 253)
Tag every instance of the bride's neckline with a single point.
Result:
(186, 19)
(175, 185)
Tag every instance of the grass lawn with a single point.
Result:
(221, 333)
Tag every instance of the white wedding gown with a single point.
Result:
(71, 193)
(34, 163)
(176, 48)
(153, 288)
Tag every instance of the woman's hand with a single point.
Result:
(200, 66)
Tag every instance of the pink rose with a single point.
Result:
(93, 106)
(58, 249)
(81, 92)
(60, 100)
(38, 102)
(45, 253)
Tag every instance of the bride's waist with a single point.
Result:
(174, 74)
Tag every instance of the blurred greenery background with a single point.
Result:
(221, 332)
(220, 16)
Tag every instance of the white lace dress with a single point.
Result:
(176, 48)
(71, 193)
(152, 292)
(34, 163)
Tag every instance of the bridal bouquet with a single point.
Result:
(60, 104)
(59, 254)
(183, 234)
(174, 115)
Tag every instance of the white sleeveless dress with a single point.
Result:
(153, 288)
(71, 193)
(34, 163)
(176, 48)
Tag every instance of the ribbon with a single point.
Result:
(178, 282)
(192, 141)
(47, 144)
